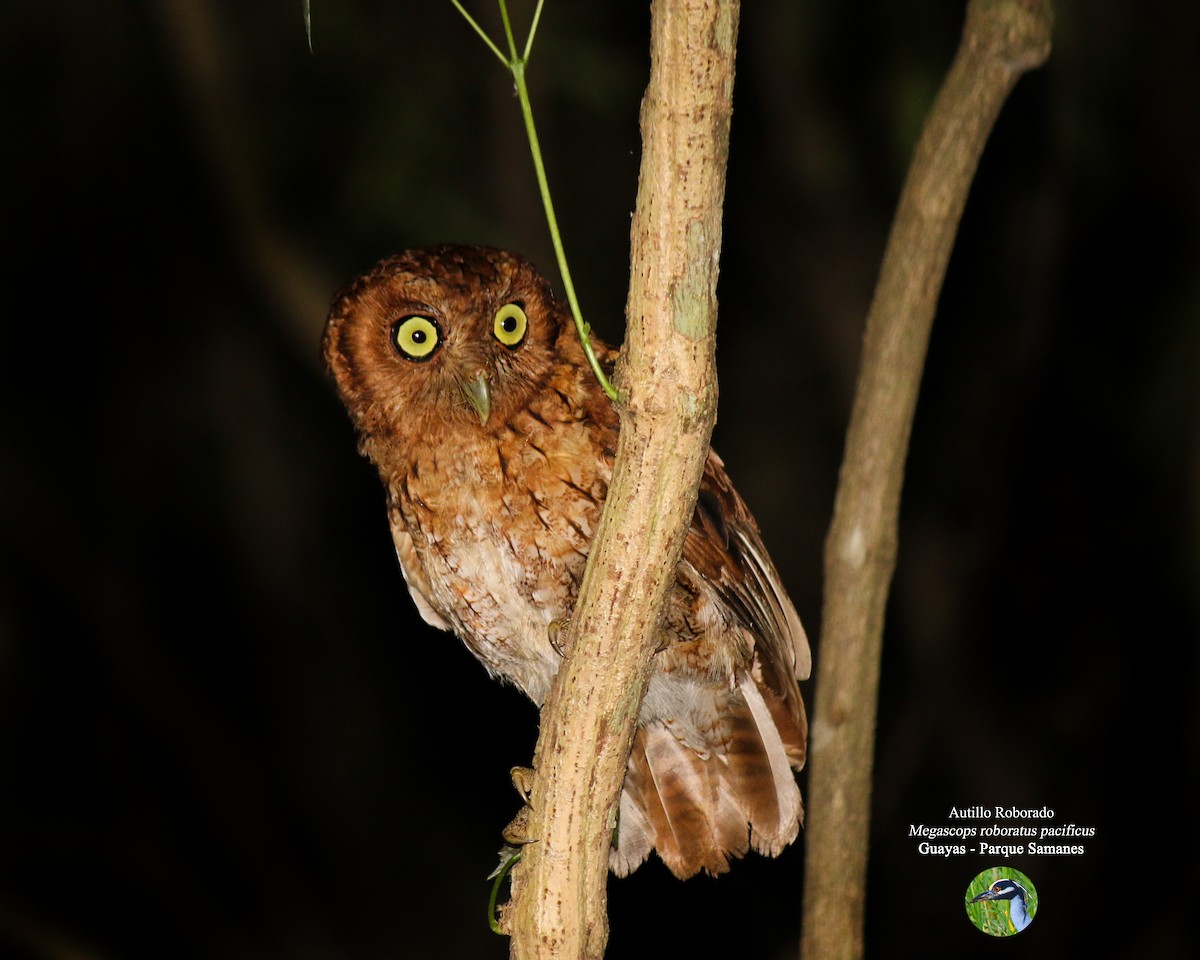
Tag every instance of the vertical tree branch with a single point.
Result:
(668, 393)
(1001, 40)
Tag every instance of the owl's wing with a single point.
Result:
(723, 545)
(414, 573)
(703, 795)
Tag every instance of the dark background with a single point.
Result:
(224, 732)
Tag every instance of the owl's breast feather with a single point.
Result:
(493, 541)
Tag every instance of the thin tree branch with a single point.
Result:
(1001, 40)
(669, 392)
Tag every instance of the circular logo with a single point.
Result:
(1001, 901)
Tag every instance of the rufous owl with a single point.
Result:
(472, 395)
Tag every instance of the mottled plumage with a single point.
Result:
(471, 394)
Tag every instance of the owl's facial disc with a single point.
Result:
(478, 393)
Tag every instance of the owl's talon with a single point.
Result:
(556, 629)
(522, 780)
(517, 832)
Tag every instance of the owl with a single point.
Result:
(471, 394)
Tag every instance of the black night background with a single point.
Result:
(224, 731)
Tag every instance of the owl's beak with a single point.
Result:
(478, 392)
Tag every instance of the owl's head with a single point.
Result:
(442, 335)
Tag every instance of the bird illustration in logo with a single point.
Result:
(1017, 897)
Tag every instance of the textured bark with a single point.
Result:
(1001, 40)
(668, 387)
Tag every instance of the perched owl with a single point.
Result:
(471, 394)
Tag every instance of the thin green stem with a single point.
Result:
(482, 34)
(537, 16)
(501, 873)
(512, 43)
(516, 66)
(518, 71)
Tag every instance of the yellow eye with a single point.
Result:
(417, 338)
(510, 325)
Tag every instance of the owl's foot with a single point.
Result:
(557, 631)
(522, 780)
(517, 832)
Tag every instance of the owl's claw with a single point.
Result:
(556, 630)
(522, 780)
(517, 832)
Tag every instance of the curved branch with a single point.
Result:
(669, 391)
(1001, 40)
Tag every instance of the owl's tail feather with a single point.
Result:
(700, 807)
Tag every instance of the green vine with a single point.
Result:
(516, 63)
(507, 862)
